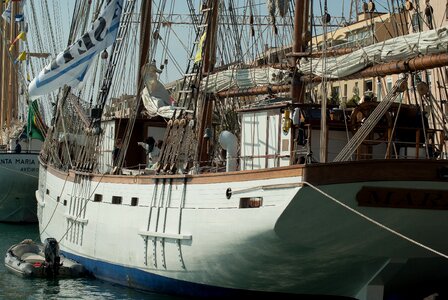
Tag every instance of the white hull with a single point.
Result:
(18, 182)
(191, 239)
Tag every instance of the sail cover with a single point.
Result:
(403, 47)
(70, 66)
(244, 78)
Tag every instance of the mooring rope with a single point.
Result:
(56, 206)
(376, 222)
(83, 208)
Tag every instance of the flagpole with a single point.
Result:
(12, 99)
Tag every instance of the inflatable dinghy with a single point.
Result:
(29, 259)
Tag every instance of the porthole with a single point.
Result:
(97, 198)
(251, 202)
(116, 199)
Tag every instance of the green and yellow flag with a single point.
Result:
(34, 122)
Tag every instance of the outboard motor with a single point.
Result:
(52, 258)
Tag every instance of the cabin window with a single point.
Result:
(134, 201)
(379, 90)
(58, 199)
(356, 89)
(116, 199)
(97, 198)
(251, 202)
(65, 202)
(368, 86)
(428, 77)
(389, 84)
(47, 192)
(285, 145)
(334, 95)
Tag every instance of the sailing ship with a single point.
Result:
(256, 188)
(20, 138)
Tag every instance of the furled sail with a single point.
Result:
(70, 66)
(244, 78)
(403, 47)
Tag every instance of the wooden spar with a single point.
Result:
(38, 55)
(411, 65)
(396, 67)
(259, 90)
(300, 27)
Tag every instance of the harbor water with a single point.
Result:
(15, 287)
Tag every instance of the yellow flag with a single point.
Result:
(198, 55)
(22, 36)
(22, 56)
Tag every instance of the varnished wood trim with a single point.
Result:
(221, 177)
(316, 174)
(292, 171)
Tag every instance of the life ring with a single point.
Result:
(361, 113)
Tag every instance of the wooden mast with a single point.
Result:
(301, 16)
(323, 140)
(209, 57)
(145, 36)
(13, 91)
(145, 42)
(2, 56)
(5, 77)
(297, 88)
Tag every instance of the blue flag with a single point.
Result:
(70, 66)
(7, 13)
(19, 17)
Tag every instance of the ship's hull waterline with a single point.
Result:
(189, 235)
(18, 183)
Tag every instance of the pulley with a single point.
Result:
(371, 6)
(326, 18)
(428, 10)
(104, 54)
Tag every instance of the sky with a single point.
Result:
(335, 8)
(172, 72)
